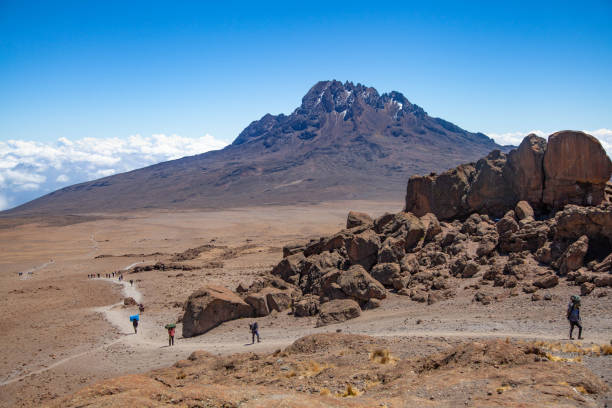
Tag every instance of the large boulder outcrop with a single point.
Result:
(210, 306)
(576, 169)
(572, 168)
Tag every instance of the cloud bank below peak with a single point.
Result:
(29, 169)
(514, 138)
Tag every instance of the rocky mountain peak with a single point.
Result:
(329, 96)
(344, 141)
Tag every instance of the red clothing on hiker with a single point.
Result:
(171, 331)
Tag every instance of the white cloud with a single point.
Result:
(4, 203)
(514, 138)
(29, 169)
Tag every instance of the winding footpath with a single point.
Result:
(117, 317)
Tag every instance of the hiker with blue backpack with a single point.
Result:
(573, 315)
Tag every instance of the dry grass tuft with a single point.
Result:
(382, 356)
(581, 389)
(308, 369)
(503, 388)
(350, 391)
(324, 391)
(575, 348)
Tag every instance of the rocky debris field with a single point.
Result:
(523, 252)
(342, 370)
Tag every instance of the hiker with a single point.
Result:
(170, 336)
(98, 276)
(573, 315)
(131, 282)
(141, 307)
(254, 327)
(135, 324)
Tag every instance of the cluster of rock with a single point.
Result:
(572, 168)
(412, 253)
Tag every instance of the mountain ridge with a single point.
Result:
(344, 141)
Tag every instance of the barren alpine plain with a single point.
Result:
(62, 331)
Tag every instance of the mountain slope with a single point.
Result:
(345, 141)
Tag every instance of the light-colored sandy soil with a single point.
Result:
(62, 331)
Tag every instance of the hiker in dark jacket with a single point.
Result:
(254, 327)
(573, 315)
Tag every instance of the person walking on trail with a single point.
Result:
(141, 307)
(573, 315)
(131, 282)
(254, 327)
(170, 336)
(135, 324)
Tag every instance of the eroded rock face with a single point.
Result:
(525, 171)
(576, 169)
(443, 195)
(210, 306)
(572, 168)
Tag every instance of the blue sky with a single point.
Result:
(114, 69)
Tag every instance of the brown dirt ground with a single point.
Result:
(61, 332)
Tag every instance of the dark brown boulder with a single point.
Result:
(362, 249)
(507, 224)
(356, 219)
(432, 226)
(306, 306)
(278, 299)
(355, 283)
(210, 306)
(471, 269)
(576, 169)
(573, 257)
(586, 288)
(385, 273)
(259, 303)
(289, 267)
(547, 281)
(337, 311)
(393, 250)
(523, 210)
